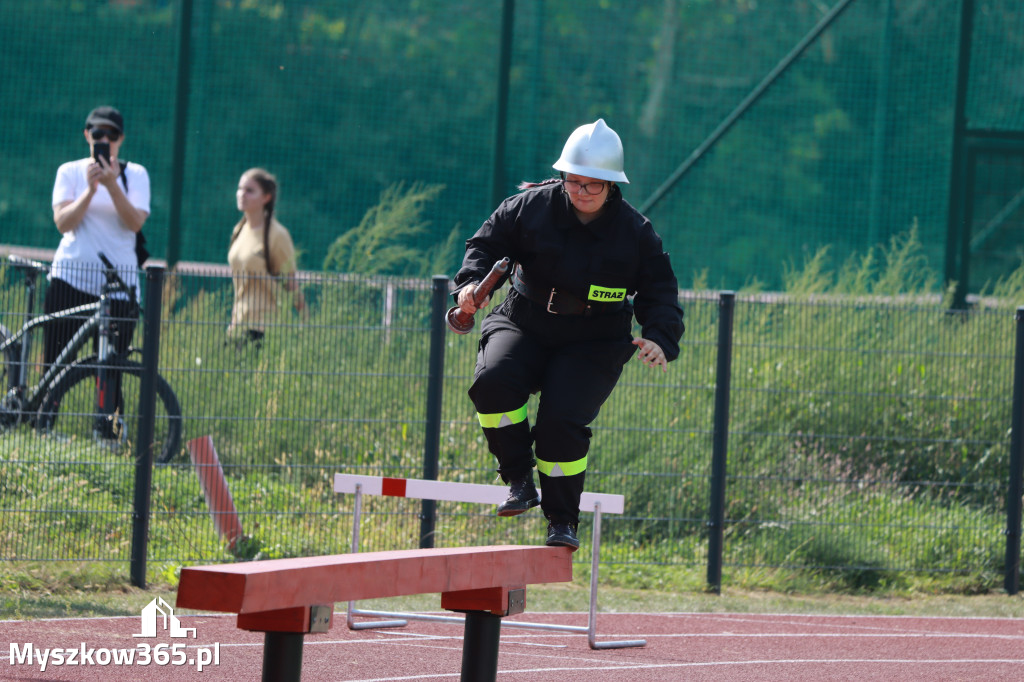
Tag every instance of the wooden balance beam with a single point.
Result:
(287, 598)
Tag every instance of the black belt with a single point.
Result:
(560, 302)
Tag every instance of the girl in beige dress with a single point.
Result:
(262, 259)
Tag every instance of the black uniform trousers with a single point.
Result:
(574, 374)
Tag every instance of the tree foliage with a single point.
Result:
(382, 243)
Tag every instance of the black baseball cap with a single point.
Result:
(105, 116)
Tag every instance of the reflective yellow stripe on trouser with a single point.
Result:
(556, 469)
(499, 419)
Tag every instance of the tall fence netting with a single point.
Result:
(344, 101)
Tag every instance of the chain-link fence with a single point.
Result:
(866, 437)
(847, 146)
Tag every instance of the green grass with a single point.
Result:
(94, 590)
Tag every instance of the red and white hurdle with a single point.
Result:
(359, 485)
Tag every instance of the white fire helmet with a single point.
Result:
(595, 151)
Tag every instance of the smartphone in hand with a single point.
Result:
(101, 149)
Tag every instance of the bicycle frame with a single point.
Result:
(31, 398)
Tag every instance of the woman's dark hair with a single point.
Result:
(268, 184)
(529, 185)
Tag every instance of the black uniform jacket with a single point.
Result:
(617, 250)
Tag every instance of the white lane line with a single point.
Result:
(669, 666)
(828, 635)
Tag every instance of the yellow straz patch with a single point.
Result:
(605, 295)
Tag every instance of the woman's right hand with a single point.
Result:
(107, 172)
(94, 176)
(467, 302)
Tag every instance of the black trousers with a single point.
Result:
(574, 377)
(60, 296)
(253, 337)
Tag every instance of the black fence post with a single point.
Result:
(1011, 579)
(720, 440)
(181, 96)
(147, 419)
(957, 266)
(435, 391)
(508, 17)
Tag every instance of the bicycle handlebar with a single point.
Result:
(114, 279)
(27, 263)
(32, 267)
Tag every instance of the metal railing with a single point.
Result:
(862, 437)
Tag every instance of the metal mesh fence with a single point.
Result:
(860, 434)
(996, 199)
(343, 100)
(865, 437)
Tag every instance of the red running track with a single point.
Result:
(680, 646)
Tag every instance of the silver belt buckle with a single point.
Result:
(551, 300)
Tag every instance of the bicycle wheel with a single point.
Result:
(69, 409)
(7, 378)
(10, 395)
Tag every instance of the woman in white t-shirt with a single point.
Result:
(260, 252)
(99, 205)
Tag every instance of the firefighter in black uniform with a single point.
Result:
(585, 262)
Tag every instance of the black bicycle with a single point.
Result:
(77, 399)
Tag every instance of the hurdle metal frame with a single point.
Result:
(486, 494)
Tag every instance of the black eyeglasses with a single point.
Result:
(583, 187)
(101, 133)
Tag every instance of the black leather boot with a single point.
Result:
(564, 535)
(522, 496)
